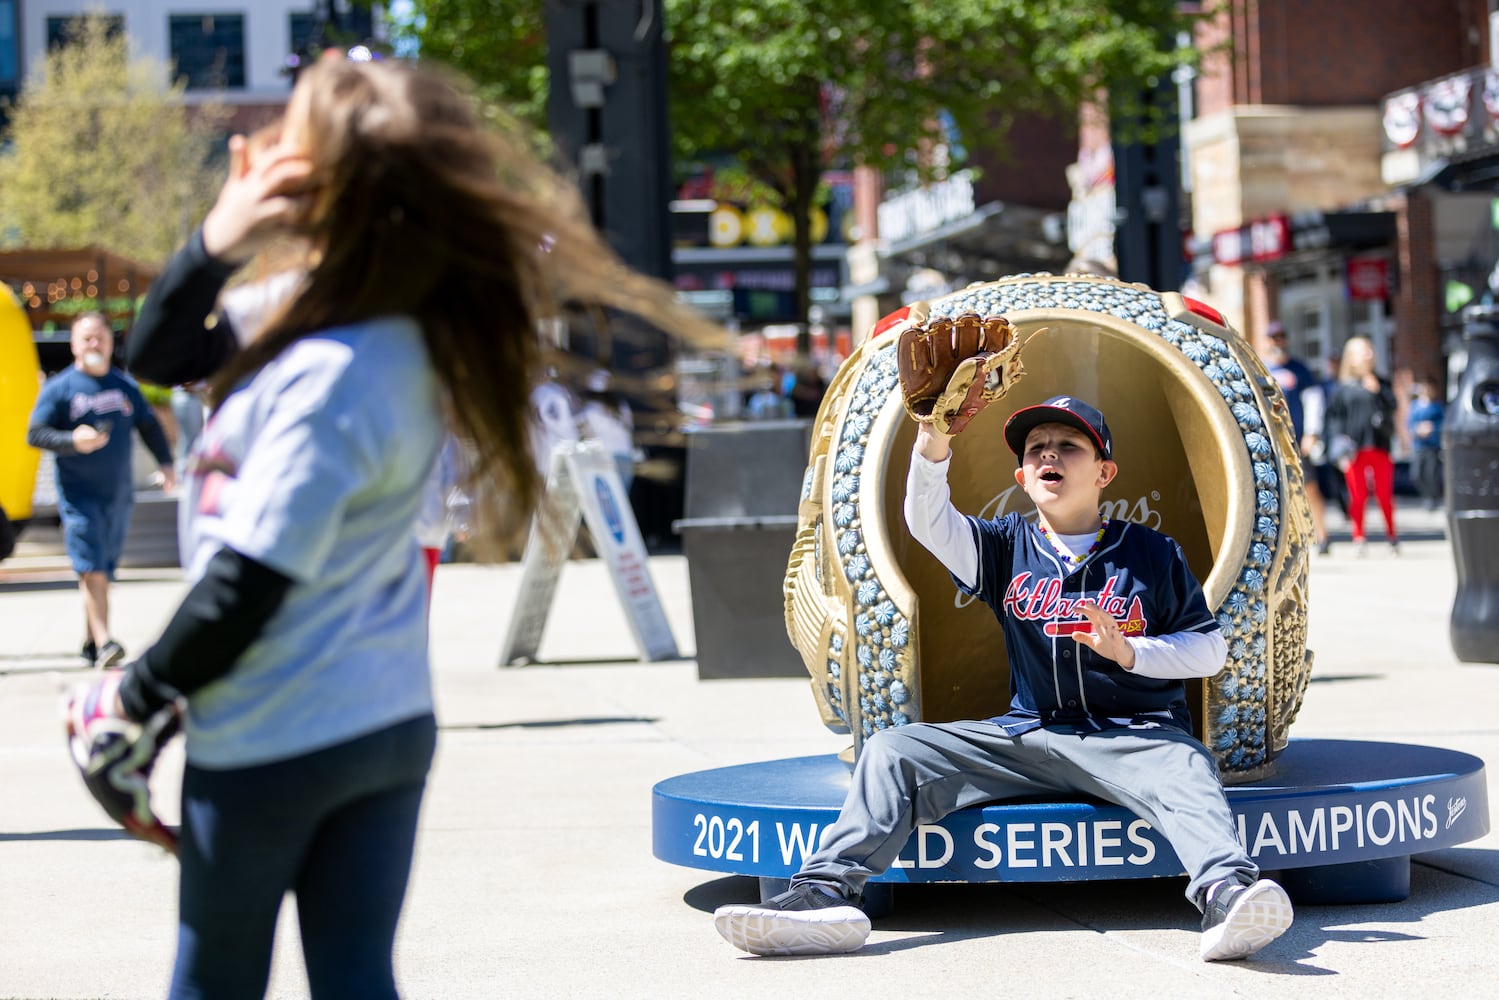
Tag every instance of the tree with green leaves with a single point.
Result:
(102, 151)
(499, 44)
(793, 87)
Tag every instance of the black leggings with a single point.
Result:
(336, 827)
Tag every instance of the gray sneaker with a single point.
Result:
(803, 920)
(110, 655)
(1239, 920)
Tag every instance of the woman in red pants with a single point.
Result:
(1360, 425)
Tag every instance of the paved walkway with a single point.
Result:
(535, 879)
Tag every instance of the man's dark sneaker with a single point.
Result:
(803, 920)
(110, 655)
(1239, 920)
(89, 652)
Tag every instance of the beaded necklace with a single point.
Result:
(1068, 558)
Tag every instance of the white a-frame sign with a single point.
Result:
(583, 484)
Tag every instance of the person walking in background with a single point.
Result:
(1299, 386)
(1360, 428)
(1424, 422)
(554, 421)
(804, 386)
(433, 246)
(187, 408)
(605, 417)
(1330, 481)
(766, 402)
(85, 414)
(1318, 472)
(444, 512)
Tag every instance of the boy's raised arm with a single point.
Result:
(932, 444)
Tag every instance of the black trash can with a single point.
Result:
(1470, 453)
(743, 485)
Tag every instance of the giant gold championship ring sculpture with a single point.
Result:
(1206, 454)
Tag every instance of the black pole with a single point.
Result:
(1147, 186)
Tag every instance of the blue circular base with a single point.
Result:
(1353, 811)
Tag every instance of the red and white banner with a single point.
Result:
(1402, 118)
(1447, 104)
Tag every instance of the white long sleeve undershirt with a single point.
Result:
(945, 533)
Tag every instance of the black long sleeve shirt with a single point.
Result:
(173, 342)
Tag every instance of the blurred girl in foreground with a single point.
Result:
(428, 249)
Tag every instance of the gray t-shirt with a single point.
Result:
(316, 468)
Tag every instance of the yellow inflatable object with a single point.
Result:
(19, 382)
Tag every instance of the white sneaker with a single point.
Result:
(1239, 920)
(803, 920)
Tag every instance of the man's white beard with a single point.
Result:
(93, 359)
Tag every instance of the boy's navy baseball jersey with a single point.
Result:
(1137, 575)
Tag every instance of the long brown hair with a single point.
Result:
(416, 207)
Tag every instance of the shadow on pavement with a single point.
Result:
(14, 586)
(587, 661)
(43, 663)
(1441, 881)
(605, 720)
(74, 835)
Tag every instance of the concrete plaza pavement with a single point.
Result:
(534, 875)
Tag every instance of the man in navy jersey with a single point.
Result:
(1103, 621)
(85, 414)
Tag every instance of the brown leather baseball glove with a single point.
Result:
(952, 367)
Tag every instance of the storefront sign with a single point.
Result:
(1259, 241)
(1368, 279)
(923, 209)
(1270, 239)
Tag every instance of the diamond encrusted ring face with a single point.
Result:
(1206, 454)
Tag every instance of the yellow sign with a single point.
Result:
(769, 226)
(725, 226)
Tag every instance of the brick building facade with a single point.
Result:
(1295, 214)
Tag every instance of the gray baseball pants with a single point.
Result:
(919, 773)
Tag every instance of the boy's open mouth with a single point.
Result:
(1051, 476)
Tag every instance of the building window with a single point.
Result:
(10, 49)
(208, 50)
(300, 27)
(60, 29)
(346, 25)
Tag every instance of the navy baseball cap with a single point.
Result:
(1067, 410)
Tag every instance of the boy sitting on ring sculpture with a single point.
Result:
(1098, 705)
